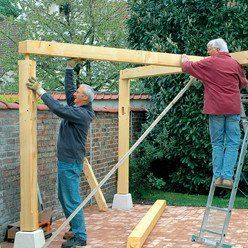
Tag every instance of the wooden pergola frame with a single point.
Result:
(158, 64)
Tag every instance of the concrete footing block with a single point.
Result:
(33, 239)
(122, 202)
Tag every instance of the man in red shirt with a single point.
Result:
(222, 78)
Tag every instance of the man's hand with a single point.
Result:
(35, 86)
(184, 58)
(72, 62)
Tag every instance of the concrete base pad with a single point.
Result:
(123, 202)
(34, 239)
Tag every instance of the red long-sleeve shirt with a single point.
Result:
(222, 77)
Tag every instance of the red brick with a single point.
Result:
(174, 229)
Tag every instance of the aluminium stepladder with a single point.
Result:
(215, 222)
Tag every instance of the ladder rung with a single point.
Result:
(213, 232)
(225, 187)
(210, 242)
(204, 240)
(219, 209)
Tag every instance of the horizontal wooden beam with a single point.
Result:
(153, 71)
(241, 57)
(67, 50)
(140, 233)
(149, 71)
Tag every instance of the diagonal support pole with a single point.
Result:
(136, 144)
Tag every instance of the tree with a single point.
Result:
(179, 149)
(9, 8)
(91, 22)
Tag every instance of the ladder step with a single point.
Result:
(225, 187)
(219, 209)
(213, 232)
(210, 242)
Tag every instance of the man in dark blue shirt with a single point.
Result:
(77, 116)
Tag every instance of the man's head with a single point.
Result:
(83, 95)
(216, 46)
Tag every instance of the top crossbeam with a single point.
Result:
(67, 50)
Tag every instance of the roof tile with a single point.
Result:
(42, 107)
(12, 105)
(144, 96)
(136, 97)
(107, 97)
(3, 105)
(115, 96)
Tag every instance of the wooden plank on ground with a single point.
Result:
(67, 50)
(89, 175)
(138, 236)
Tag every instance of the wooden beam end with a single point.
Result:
(133, 242)
(147, 223)
(23, 47)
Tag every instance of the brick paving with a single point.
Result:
(174, 229)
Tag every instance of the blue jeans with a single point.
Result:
(225, 139)
(69, 195)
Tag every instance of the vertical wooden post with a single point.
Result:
(123, 146)
(28, 147)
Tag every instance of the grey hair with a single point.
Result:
(88, 91)
(218, 43)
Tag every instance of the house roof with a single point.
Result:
(61, 97)
(106, 96)
(98, 96)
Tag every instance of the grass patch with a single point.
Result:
(11, 98)
(178, 199)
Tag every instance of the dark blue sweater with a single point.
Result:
(75, 124)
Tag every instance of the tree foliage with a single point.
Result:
(91, 22)
(179, 150)
(8, 8)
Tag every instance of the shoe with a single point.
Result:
(228, 183)
(68, 235)
(218, 182)
(74, 242)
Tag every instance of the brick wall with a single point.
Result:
(102, 151)
(9, 168)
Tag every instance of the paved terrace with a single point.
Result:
(174, 229)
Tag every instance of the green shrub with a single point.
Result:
(156, 183)
(179, 147)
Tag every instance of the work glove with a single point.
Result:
(72, 62)
(35, 86)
